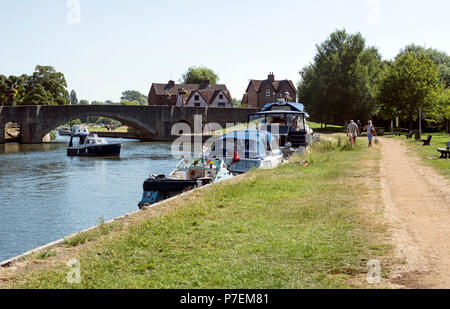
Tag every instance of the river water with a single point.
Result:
(45, 195)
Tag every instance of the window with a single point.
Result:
(197, 104)
(221, 104)
(221, 96)
(267, 93)
(197, 98)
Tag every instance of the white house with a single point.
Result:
(204, 98)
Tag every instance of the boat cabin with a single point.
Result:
(285, 120)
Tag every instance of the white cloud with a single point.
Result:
(373, 11)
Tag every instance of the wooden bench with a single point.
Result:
(426, 142)
(445, 152)
(380, 132)
(409, 135)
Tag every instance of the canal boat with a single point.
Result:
(247, 149)
(85, 144)
(186, 176)
(287, 122)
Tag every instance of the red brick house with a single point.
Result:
(167, 94)
(262, 92)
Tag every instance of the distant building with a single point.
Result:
(262, 92)
(190, 95)
(204, 98)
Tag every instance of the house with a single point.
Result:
(203, 94)
(204, 98)
(262, 92)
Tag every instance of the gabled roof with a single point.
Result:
(165, 89)
(208, 95)
(276, 85)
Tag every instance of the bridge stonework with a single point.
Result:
(154, 123)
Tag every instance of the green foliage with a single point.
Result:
(84, 102)
(109, 121)
(341, 83)
(73, 98)
(74, 122)
(237, 103)
(125, 102)
(44, 87)
(410, 82)
(196, 75)
(134, 96)
(439, 58)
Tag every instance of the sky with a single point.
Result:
(104, 47)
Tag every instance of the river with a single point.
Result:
(45, 195)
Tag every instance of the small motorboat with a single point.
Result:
(85, 144)
(247, 149)
(186, 176)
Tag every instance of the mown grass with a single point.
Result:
(292, 227)
(429, 154)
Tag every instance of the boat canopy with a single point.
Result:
(251, 144)
(284, 106)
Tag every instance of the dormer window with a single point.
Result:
(267, 93)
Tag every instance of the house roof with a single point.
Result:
(276, 84)
(209, 95)
(172, 89)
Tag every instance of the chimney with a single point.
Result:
(205, 83)
(271, 77)
(171, 84)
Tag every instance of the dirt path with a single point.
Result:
(417, 205)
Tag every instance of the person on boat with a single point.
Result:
(370, 129)
(352, 132)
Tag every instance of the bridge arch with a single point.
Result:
(144, 129)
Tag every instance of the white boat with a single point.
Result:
(84, 144)
(247, 149)
(287, 122)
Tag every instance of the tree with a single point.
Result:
(196, 75)
(73, 98)
(45, 87)
(439, 58)
(84, 102)
(341, 83)
(134, 95)
(409, 83)
(124, 102)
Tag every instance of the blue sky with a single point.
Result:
(120, 45)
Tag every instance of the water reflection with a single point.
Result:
(45, 195)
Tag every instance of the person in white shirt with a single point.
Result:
(352, 132)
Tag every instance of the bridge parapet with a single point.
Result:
(152, 122)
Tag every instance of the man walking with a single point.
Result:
(352, 132)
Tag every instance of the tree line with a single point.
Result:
(349, 80)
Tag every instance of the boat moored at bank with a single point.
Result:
(287, 122)
(247, 149)
(186, 176)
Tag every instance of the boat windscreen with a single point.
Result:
(251, 144)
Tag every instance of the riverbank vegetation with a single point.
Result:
(307, 224)
(349, 80)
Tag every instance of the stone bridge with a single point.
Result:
(154, 123)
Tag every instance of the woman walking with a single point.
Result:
(370, 129)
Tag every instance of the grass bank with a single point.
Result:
(302, 225)
(429, 154)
